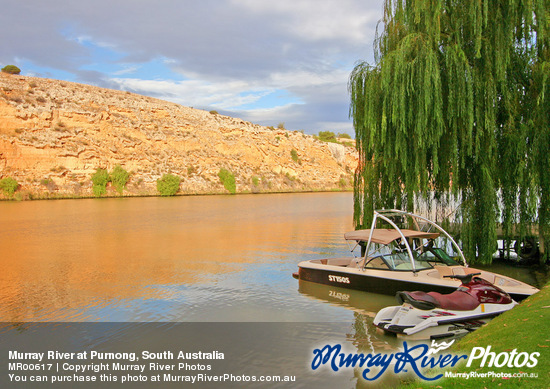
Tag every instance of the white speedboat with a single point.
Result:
(395, 258)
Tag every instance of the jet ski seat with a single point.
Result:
(456, 301)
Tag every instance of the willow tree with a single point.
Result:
(457, 106)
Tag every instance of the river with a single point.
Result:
(220, 266)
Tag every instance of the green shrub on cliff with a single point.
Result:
(327, 136)
(294, 156)
(99, 180)
(168, 185)
(343, 135)
(119, 178)
(228, 180)
(11, 69)
(9, 186)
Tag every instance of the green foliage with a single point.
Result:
(99, 180)
(9, 186)
(327, 136)
(228, 180)
(344, 182)
(458, 105)
(281, 126)
(119, 178)
(168, 185)
(11, 69)
(255, 181)
(294, 156)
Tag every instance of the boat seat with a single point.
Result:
(456, 301)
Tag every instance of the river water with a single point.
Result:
(203, 258)
(220, 266)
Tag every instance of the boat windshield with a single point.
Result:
(437, 255)
(397, 261)
(400, 260)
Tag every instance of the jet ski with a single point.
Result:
(433, 315)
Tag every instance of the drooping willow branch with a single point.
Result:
(457, 102)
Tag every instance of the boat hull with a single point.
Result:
(389, 284)
(367, 282)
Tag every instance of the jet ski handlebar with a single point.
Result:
(464, 278)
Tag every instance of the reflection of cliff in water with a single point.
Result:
(161, 259)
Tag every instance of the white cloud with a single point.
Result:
(226, 95)
(299, 79)
(320, 19)
(88, 40)
(235, 55)
(231, 94)
(126, 70)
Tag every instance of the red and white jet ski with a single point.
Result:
(433, 315)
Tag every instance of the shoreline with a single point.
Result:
(126, 196)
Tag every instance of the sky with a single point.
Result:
(265, 61)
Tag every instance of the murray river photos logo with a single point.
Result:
(416, 359)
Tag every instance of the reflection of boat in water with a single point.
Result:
(434, 316)
(364, 303)
(363, 333)
(402, 257)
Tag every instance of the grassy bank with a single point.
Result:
(525, 328)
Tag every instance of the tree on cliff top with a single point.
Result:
(457, 104)
(11, 69)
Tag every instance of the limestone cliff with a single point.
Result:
(55, 134)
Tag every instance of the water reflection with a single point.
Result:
(203, 258)
(157, 258)
(364, 303)
(222, 261)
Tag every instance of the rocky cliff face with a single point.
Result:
(55, 134)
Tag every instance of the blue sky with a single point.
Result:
(267, 62)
